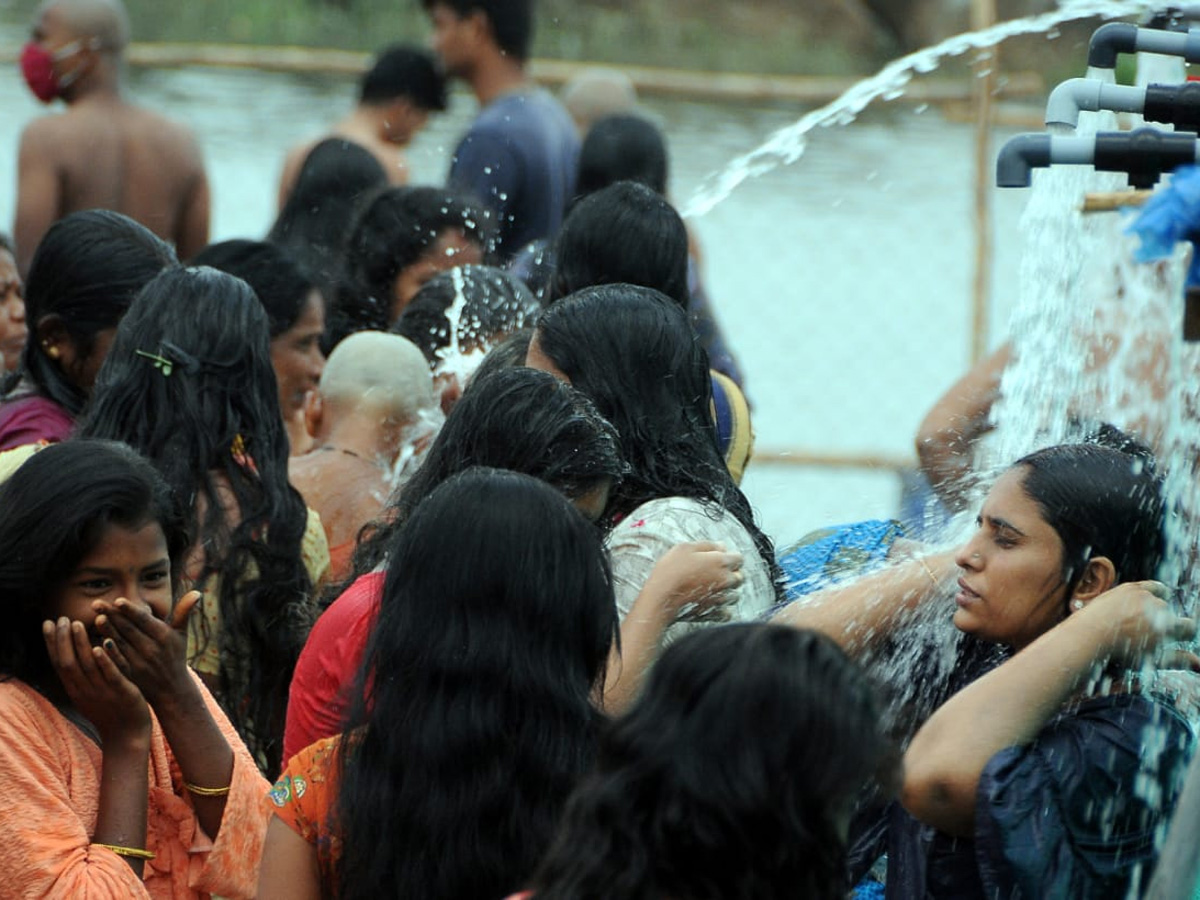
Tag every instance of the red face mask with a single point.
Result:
(37, 65)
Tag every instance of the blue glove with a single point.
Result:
(1171, 215)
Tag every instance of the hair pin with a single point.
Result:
(161, 363)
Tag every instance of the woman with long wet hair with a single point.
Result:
(473, 715)
(188, 383)
(733, 776)
(524, 421)
(632, 351)
(1049, 774)
(83, 277)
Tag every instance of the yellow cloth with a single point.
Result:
(204, 653)
(736, 427)
(11, 460)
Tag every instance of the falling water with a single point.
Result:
(788, 144)
(1095, 337)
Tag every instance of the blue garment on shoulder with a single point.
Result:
(1073, 814)
(824, 557)
(520, 157)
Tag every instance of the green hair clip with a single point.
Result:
(161, 363)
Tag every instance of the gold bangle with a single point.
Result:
(206, 792)
(928, 571)
(130, 852)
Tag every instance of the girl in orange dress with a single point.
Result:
(121, 777)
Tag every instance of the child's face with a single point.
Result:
(126, 562)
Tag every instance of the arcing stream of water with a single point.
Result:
(788, 144)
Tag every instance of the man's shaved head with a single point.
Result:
(381, 372)
(105, 20)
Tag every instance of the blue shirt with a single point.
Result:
(520, 158)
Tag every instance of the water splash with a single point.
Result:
(788, 144)
(414, 445)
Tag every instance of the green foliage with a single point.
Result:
(762, 36)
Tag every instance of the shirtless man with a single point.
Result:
(103, 152)
(396, 96)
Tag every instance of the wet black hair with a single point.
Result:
(86, 271)
(495, 304)
(622, 147)
(57, 506)
(731, 778)
(397, 226)
(404, 71)
(211, 425)
(473, 716)
(516, 419)
(511, 21)
(277, 278)
(509, 353)
(624, 233)
(335, 181)
(1102, 497)
(633, 352)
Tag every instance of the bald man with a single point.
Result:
(374, 403)
(102, 152)
(596, 92)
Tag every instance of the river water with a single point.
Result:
(843, 281)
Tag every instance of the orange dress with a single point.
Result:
(305, 797)
(49, 799)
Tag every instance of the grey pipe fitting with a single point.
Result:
(1076, 94)
(1108, 41)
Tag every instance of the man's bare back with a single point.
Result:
(389, 155)
(104, 153)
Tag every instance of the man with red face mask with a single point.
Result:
(102, 152)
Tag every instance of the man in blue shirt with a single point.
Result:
(521, 153)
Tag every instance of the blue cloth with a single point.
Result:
(868, 890)
(1065, 816)
(829, 555)
(1171, 216)
(520, 158)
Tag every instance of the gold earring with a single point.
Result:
(51, 349)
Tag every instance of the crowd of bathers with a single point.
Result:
(402, 552)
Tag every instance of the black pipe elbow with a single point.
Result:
(1174, 104)
(1110, 40)
(1019, 156)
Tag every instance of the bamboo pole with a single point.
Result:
(729, 86)
(983, 15)
(810, 459)
(1110, 201)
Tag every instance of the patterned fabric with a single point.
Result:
(824, 557)
(204, 654)
(647, 533)
(50, 772)
(1073, 814)
(305, 797)
(735, 434)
